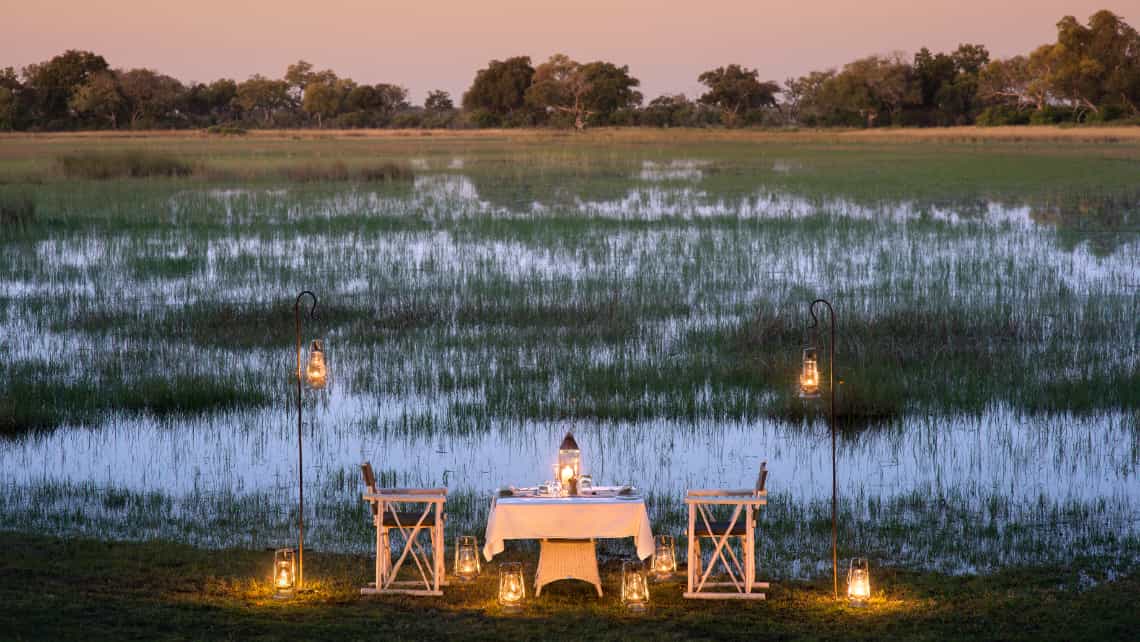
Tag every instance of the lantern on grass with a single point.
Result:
(284, 572)
(316, 373)
(859, 582)
(809, 376)
(512, 586)
(664, 557)
(634, 587)
(569, 459)
(467, 565)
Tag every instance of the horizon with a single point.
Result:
(666, 57)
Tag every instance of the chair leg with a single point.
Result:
(693, 547)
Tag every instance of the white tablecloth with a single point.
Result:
(567, 518)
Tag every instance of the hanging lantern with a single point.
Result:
(569, 460)
(512, 587)
(809, 377)
(634, 588)
(467, 565)
(859, 582)
(284, 572)
(316, 373)
(664, 557)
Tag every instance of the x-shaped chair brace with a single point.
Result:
(722, 547)
(741, 573)
(430, 567)
(411, 545)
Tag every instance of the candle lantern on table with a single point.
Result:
(284, 572)
(569, 463)
(467, 565)
(512, 586)
(664, 557)
(634, 588)
(859, 582)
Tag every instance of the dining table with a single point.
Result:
(604, 513)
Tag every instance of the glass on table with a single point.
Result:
(585, 483)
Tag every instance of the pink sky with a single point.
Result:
(431, 44)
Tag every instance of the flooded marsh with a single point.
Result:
(652, 298)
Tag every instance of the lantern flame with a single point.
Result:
(316, 373)
(859, 582)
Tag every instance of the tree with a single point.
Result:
(325, 98)
(879, 83)
(499, 90)
(10, 90)
(1097, 65)
(438, 101)
(52, 83)
(212, 102)
(735, 89)
(262, 95)
(151, 97)
(1019, 82)
(560, 84)
(611, 89)
(806, 101)
(375, 105)
(100, 97)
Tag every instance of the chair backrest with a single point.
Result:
(369, 476)
(761, 489)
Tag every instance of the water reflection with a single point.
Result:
(702, 257)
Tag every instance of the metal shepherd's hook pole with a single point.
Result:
(831, 421)
(300, 457)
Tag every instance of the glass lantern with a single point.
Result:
(512, 586)
(859, 582)
(316, 373)
(284, 572)
(467, 565)
(664, 557)
(809, 377)
(634, 587)
(569, 460)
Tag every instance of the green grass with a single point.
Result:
(90, 590)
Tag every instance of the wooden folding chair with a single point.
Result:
(390, 515)
(741, 525)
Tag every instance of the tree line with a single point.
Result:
(1091, 73)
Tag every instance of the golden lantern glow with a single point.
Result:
(512, 586)
(809, 376)
(467, 565)
(569, 459)
(859, 582)
(316, 373)
(284, 572)
(664, 557)
(634, 587)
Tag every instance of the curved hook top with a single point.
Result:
(312, 308)
(814, 319)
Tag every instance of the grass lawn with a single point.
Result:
(92, 590)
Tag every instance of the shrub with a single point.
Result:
(388, 172)
(485, 119)
(999, 115)
(227, 130)
(1051, 115)
(129, 164)
(18, 210)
